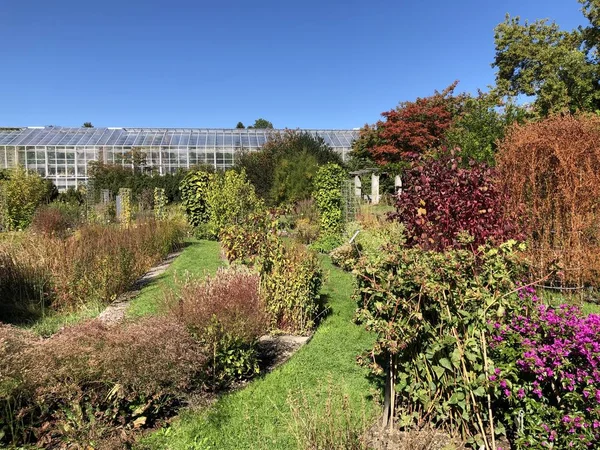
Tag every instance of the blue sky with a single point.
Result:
(186, 63)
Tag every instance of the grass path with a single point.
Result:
(259, 416)
(198, 258)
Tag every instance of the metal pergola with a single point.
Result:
(62, 154)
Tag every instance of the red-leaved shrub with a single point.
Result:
(442, 201)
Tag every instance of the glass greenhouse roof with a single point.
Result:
(157, 137)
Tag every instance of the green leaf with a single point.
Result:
(439, 371)
(446, 363)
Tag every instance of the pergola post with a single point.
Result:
(374, 189)
(357, 186)
(398, 185)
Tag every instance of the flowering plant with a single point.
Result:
(547, 375)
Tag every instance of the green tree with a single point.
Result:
(88, 125)
(558, 68)
(20, 194)
(240, 125)
(481, 124)
(262, 123)
(283, 149)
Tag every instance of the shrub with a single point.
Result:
(230, 198)
(304, 221)
(72, 196)
(442, 201)
(95, 264)
(290, 282)
(281, 171)
(83, 383)
(160, 203)
(547, 380)
(126, 211)
(244, 242)
(293, 178)
(20, 195)
(328, 197)
(225, 314)
(430, 312)
(139, 179)
(551, 170)
(194, 189)
(56, 219)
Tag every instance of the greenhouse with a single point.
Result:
(62, 154)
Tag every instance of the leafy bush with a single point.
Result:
(290, 282)
(160, 202)
(328, 197)
(90, 380)
(126, 210)
(224, 313)
(430, 312)
(281, 171)
(547, 378)
(230, 199)
(293, 178)
(244, 242)
(20, 194)
(194, 189)
(551, 170)
(442, 201)
(304, 221)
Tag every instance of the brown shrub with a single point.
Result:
(53, 221)
(226, 314)
(552, 168)
(96, 263)
(83, 381)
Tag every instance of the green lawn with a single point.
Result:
(198, 258)
(259, 416)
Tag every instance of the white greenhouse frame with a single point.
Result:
(62, 154)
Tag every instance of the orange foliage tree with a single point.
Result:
(551, 169)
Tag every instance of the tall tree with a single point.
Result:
(559, 68)
(88, 125)
(411, 129)
(261, 123)
(240, 125)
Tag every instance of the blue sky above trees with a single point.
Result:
(189, 63)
